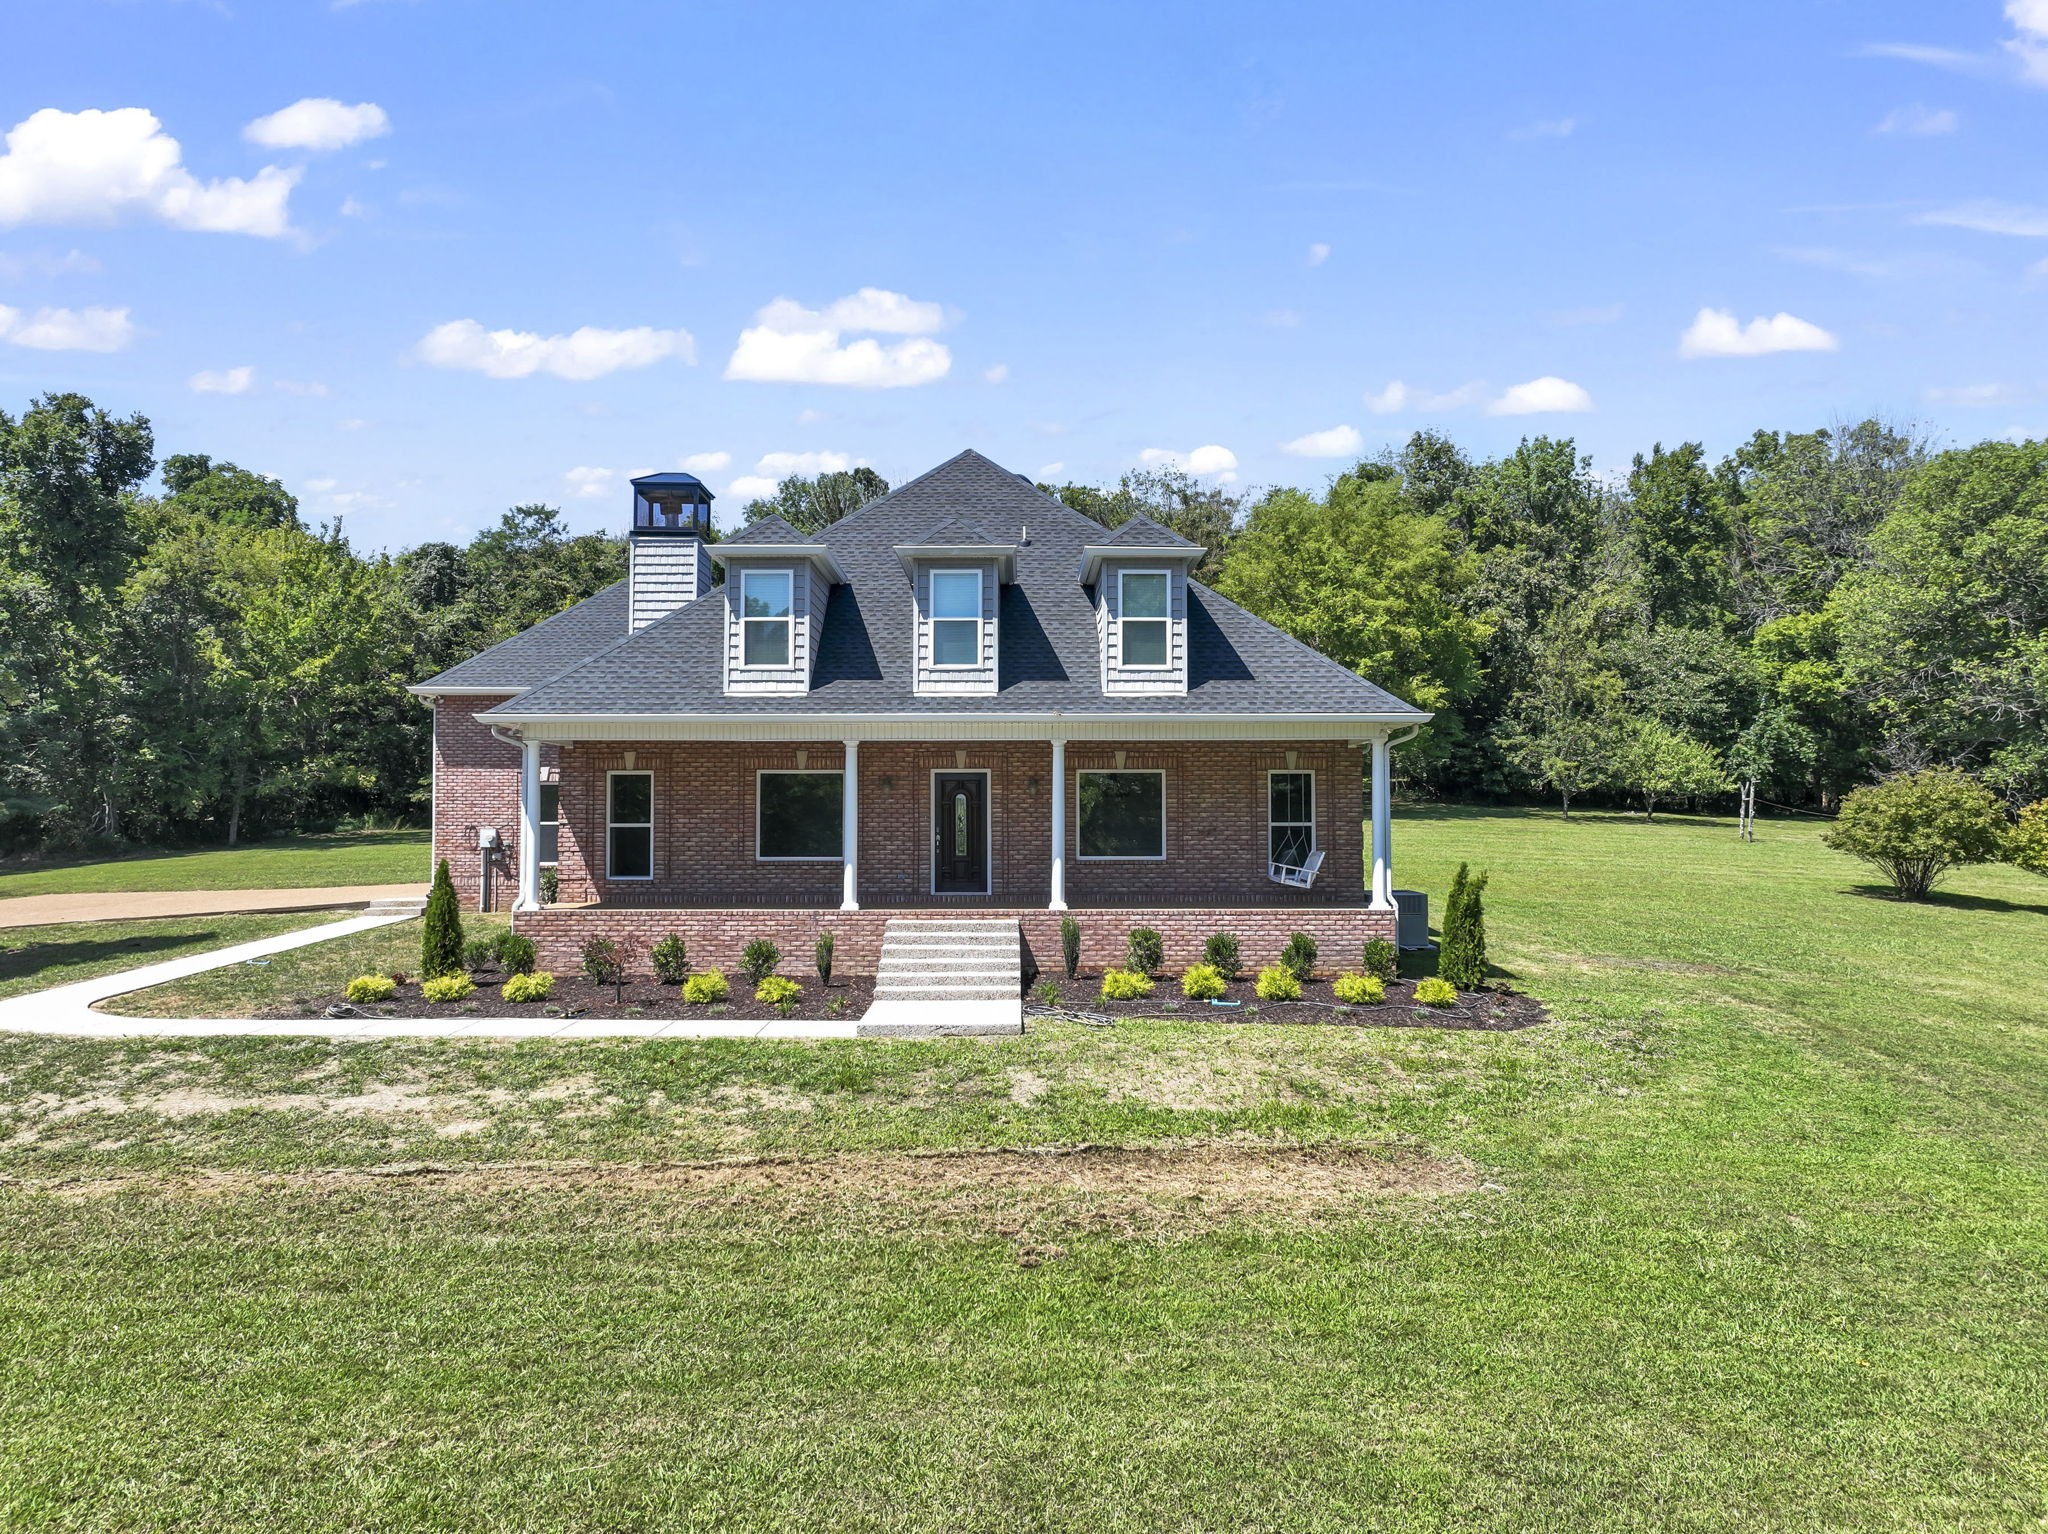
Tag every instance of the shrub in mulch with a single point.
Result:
(640, 996)
(1493, 1010)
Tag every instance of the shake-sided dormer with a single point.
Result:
(1139, 575)
(956, 576)
(777, 585)
(665, 549)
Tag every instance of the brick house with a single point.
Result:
(964, 699)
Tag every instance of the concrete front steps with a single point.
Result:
(405, 906)
(946, 977)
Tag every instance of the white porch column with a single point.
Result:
(849, 831)
(1058, 902)
(529, 826)
(1382, 823)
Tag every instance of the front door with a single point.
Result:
(960, 833)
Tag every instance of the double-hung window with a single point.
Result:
(550, 824)
(1290, 817)
(765, 605)
(797, 816)
(1142, 612)
(1122, 814)
(956, 617)
(629, 825)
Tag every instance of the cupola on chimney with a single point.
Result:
(671, 520)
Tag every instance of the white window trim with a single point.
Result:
(628, 825)
(797, 772)
(988, 833)
(1123, 660)
(543, 824)
(1119, 857)
(788, 621)
(980, 615)
(1291, 772)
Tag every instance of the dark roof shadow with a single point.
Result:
(1026, 654)
(1211, 655)
(845, 651)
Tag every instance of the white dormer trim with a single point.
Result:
(1003, 555)
(1121, 678)
(809, 592)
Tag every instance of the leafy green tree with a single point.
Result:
(814, 504)
(226, 493)
(1206, 514)
(1917, 826)
(2027, 844)
(441, 928)
(1565, 724)
(1659, 764)
(1462, 958)
(1677, 518)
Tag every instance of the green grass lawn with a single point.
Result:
(282, 862)
(1752, 1236)
(36, 958)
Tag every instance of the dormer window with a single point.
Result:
(766, 605)
(1145, 613)
(956, 618)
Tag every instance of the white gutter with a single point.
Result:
(428, 690)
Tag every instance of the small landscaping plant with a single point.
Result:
(778, 991)
(705, 987)
(1435, 991)
(370, 988)
(1049, 994)
(671, 959)
(604, 963)
(479, 953)
(1382, 959)
(759, 959)
(1299, 956)
(1462, 958)
(516, 954)
(1145, 952)
(550, 886)
(1224, 953)
(1919, 825)
(821, 955)
(1360, 990)
(441, 930)
(1202, 982)
(1125, 985)
(1070, 945)
(1278, 983)
(528, 985)
(447, 988)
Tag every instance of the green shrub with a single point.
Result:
(479, 953)
(516, 954)
(706, 986)
(671, 959)
(369, 988)
(604, 963)
(1202, 982)
(758, 960)
(2026, 845)
(1382, 959)
(821, 955)
(1048, 994)
(550, 886)
(1145, 952)
(1070, 945)
(1300, 956)
(447, 988)
(1360, 990)
(1918, 826)
(1278, 983)
(1125, 985)
(1223, 953)
(1462, 959)
(528, 985)
(777, 991)
(1435, 991)
(441, 932)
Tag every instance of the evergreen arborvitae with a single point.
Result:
(441, 932)
(1463, 959)
(1451, 933)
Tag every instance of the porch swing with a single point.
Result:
(1299, 878)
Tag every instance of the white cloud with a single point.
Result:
(1970, 396)
(94, 167)
(1717, 333)
(1916, 119)
(223, 381)
(1209, 462)
(1551, 127)
(1398, 396)
(784, 465)
(41, 263)
(581, 354)
(792, 344)
(1318, 253)
(67, 330)
(1337, 442)
(2029, 19)
(587, 483)
(751, 487)
(1000, 373)
(309, 388)
(1953, 59)
(707, 463)
(321, 486)
(350, 208)
(1542, 396)
(1047, 472)
(1988, 217)
(319, 122)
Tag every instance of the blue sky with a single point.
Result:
(423, 259)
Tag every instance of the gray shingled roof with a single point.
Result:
(550, 647)
(1142, 532)
(769, 529)
(953, 534)
(1238, 664)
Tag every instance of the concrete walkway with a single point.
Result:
(131, 905)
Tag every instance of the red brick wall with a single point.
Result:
(715, 938)
(476, 783)
(704, 825)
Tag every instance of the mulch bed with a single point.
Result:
(1496, 1011)
(844, 1000)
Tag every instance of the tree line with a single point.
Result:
(1812, 611)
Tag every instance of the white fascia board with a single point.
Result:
(960, 727)
(911, 555)
(428, 690)
(1095, 553)
(810, 553)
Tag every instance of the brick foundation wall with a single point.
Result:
(716, 937)
(476, 783)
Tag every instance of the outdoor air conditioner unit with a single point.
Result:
(1411, 919)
